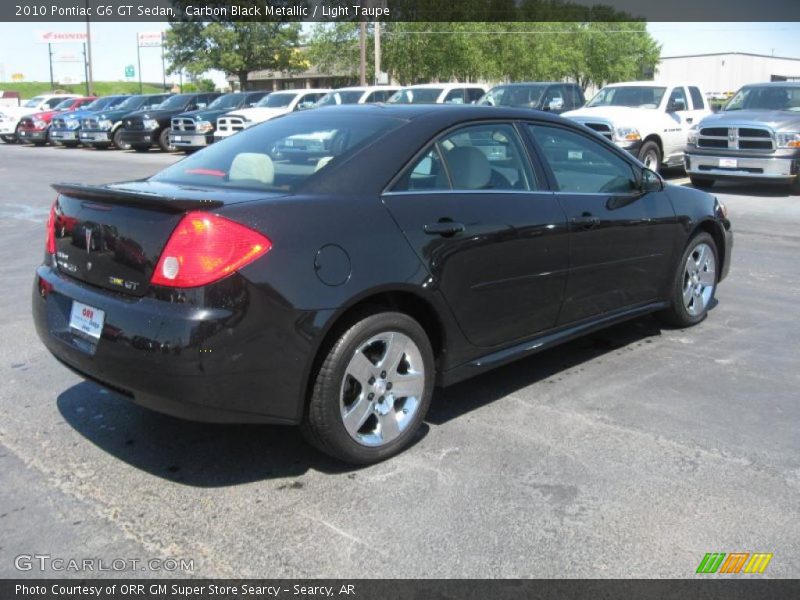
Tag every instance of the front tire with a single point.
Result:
(9, 139)
(117, 140)
(650, 155)
(372, 391)
(164, 143)
(701, 182)
(694, 284)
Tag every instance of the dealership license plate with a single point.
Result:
(728, 163)
(87, 319)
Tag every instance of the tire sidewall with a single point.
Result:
(327, 387)
(683, 315)
(163, 142)
(116, 140)
(647, 148)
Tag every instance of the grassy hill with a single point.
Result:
(29, 89)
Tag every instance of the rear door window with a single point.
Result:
(455, 96)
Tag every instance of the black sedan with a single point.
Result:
(430, 244)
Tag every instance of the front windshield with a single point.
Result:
(33, 102)
(277, 100)
(416, 96)
(65, 104)
(178, 101)
(513, 95)
(102, 103)
(279, 155)
(227, 101)
(340, 97)
(632, 96)
(131, 102)
(766, 98)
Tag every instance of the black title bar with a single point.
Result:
(398, 10)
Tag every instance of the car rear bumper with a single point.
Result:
(741, 167)
(139, 137)
(233, 365)
(182, 139)
(8, 128)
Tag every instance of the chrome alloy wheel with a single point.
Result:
(699, 279)
(650, 160)
(382, 388)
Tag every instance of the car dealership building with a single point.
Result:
(728, 71)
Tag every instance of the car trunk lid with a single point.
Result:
(112, 236)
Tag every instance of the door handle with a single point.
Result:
(443, 228)
(585, 221)
(689, 119)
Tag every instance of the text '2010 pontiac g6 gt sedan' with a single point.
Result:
(422, 246)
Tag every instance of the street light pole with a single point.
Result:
(89, 78)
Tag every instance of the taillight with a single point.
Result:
(204, 248)
(50, 245)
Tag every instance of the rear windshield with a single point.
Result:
(278, 155)
(416, 96)
(633, 96)
(516, 95)
(766, 98)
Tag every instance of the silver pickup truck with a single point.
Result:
(755, 137)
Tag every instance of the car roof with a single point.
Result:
(774, 84)
(445, 113)
(652, 83)
(422, 86)
(524, 83)
(303, 91)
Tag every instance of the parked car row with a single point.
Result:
(756, 135)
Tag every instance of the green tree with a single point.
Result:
(235, 48)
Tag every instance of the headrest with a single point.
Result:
(252, 166)
(469, 168)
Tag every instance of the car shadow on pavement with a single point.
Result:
(548, 366)
(215, 455)
(768, 190)
(194, 454)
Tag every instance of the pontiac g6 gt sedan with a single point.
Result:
(427, 245)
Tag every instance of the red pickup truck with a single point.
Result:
(35, 128)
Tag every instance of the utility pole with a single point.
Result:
(377, 52)
(86, 70)
(362, 46)
(163, 64)
(139, 61)
(50, 58)
(88, 58)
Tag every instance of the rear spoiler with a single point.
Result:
(109, 195)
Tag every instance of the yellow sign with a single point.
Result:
(17, 77)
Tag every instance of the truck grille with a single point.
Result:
(230, 124)
(736, 138)
(603, 129)
(59, 123)
(89, 123)
(134, 124)
(183, 125)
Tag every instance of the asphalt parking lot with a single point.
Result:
(630, 453)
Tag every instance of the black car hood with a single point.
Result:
(204, 114)
(154, 114)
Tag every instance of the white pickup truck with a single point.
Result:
(270, 106)
(11, 115)
(651, 120)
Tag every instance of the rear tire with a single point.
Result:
(694, 283)
(701, 182)
(353, 413)
(650, 155)
(164, 143)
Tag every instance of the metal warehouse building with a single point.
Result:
(727, 72)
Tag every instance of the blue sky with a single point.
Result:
(115, 45)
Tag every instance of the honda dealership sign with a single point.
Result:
(150, 39)
(61, 37)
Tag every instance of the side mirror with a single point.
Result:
(650, 181)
